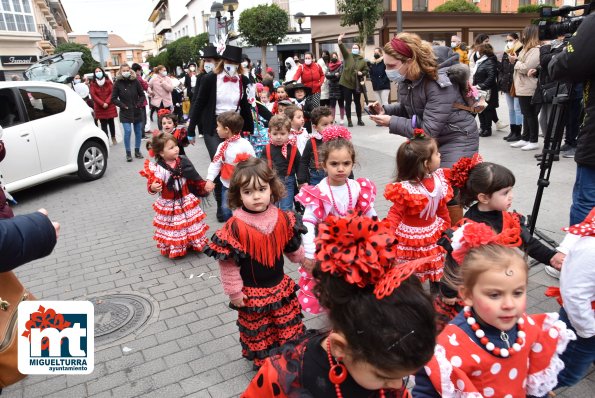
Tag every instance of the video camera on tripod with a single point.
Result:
(568, 25)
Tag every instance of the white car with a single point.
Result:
(47, 129)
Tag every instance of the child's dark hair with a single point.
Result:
(396, 332)
(485, 178)
(318, 113)
(173, 117)
(411, 158)
(279, 122)
(157, 143)
(232, 120)
(291, 110)
(335, 144)
(248, 173)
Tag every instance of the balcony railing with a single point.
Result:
(47, 34)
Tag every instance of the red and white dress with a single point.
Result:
(419, 215)
(462, 368)
(319, 202)
(178, 217)
(229, 153)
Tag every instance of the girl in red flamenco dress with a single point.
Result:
(381, 320)
(169, 124)
(178, 217)
(250, 249)
(419, 213)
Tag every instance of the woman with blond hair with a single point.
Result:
(426, 99)
(524, 87)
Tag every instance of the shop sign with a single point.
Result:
(15, 60)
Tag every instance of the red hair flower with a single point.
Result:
(418, 134)
(474, 234)
(163, 112)
(242, 157)
(459, 172)
(333, 132)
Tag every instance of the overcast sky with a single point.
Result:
(127, 18)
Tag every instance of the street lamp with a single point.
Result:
(300, 16)
(230, 6)
(217, 10)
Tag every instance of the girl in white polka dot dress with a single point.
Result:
(492, 348)
(336, 194)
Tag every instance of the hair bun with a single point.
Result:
(459, 172)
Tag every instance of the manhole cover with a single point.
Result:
(118, 316)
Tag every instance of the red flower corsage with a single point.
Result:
(474, 234)
(335, 131)
(459, 172)
(242, 157)
(418, 134)
(163, 112)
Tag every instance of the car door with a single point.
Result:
(22, 158)
(52, 127)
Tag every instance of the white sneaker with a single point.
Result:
(500, 125)
(551, 271)
(342, 122)
(519, 144)
(530, 146)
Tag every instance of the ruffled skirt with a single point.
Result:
(271, 317)
(306, 297)
(179, 226)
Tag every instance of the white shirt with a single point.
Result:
(577, 285)
(233, 149)
(301, 139)
(228, 95)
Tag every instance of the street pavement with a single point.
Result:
(190, 348)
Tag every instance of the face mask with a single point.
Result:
(77, 81)
(395, 76)
(454, 45)
(126, 74)
(376, 56)
(230, 69)
(508, 45)
(308, 62)
(288, 65)
(99, 75)
(164, 73)
(244, 64)
(334, 59)
(192, 69)
(209, 66)
(355, 51)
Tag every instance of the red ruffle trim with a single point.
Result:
(411, 203)
(418, 241)
(190, 236)
(177, 210)
(177, 227)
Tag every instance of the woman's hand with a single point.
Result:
(376, 108)
(104, 105)
(512, 58)
(240, 301)
(340, 40)
(156, 186)
(381, 120)
(532, 73)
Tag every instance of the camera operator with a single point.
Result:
(576, 63)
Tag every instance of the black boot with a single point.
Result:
(485, 133)
(128, 156)
(360, 122)
(515, 133)
(513, 130)
(349, 124)
(137, 154)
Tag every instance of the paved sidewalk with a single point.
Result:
(190, 348)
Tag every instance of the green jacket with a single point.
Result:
(351, 65)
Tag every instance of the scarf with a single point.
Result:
(292, 141)
(221, 153)
(333, 66)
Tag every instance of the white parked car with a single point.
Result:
(47, 129)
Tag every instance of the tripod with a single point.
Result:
(551, 147)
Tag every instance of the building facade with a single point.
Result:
(120, 51)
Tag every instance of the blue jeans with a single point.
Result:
(577, 358)
(514, 110)
(583, 194)
(286, 203)
(225, 210)
(316, 176)
(138, 134)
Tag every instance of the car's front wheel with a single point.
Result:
(92, 161)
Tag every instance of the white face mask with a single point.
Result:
(231, 69)
(99, 75)
(355, 51)
(126, 74)
(77, 81)
(163, 73)
(244, 64)
(209, 66)
(509, 45)
(454, 45)
(308, 62)
(192, 69)
(395, 75)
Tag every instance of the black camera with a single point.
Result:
(549, 30)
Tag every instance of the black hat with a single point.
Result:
(210, 52)
(233, 54)
(295, 86)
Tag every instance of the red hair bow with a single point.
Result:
(459, 172)
(242, 157)
(333, 132)
(362, 251)
(474, 234)
(585, 228)
(163, 112)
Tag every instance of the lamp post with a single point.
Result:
(217, 10)
(300, 16)
(230, 6)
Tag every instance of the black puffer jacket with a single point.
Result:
(333, 76)
(378, 76)
(129, 96)
(486, 78)
(544, 81)
(577, 64)
(506, 72)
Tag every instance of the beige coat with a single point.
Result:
(523, 84)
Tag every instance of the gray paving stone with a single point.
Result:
(124, 361)
(172, 375)
(201, 381)
(72, 392)
(161, 350)
(169, 391)
(146, 369)
(230, 388)
(137, 388)
(172, 334)
(182, 357)
(112, 380)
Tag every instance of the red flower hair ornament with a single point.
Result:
(163, 112)
(418, 134)
(362, 251)
(474, 234)
(459, 172)
(333, 132)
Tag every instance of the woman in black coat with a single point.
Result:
(486, 78)
(227, 77)
(335, 93)
(380, 82)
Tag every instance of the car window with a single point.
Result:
(9, 111)
(43, 101)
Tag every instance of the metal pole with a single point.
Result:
(399, 16)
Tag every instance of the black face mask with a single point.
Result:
(326, 58)
(376, 56)
(334, 59)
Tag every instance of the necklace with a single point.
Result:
(342, 214)
(501, 352)
(338, 372)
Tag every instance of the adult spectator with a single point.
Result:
(485, 78)
(160, 88)
(333, 76)
(210, 59)
(578, 66)
(222, 91)
(505, 80)
(426, 98)
(190, 78)
(324, 89)
(481, 38)
(380, 82)
(80, 87)
(105, 110)
(457, 46)
(524, 87)
(139, 76)
(291, 67)
(129, 96)
(312, 76)
(354, 69)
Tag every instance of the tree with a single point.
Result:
(457, 6)
(180, 52)
(535, 9)
(262, 26)
(362, 13)
(89, 64)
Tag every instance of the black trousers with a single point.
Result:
(351, 95)
(530, 119)
(212, 141)
(486, 118)
(105, 123)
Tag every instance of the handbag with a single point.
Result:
(512, 90)
(12, 292)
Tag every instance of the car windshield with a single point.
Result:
(60, 68)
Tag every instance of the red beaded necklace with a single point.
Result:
(342, 214)
(501, 352)
(338, 372)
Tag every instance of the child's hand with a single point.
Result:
(557, 260)
(240, 301)
(156, 186)
(209, 186)
(308, 264)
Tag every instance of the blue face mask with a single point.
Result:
(355, 51)
(395, 76)
(99, 75)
